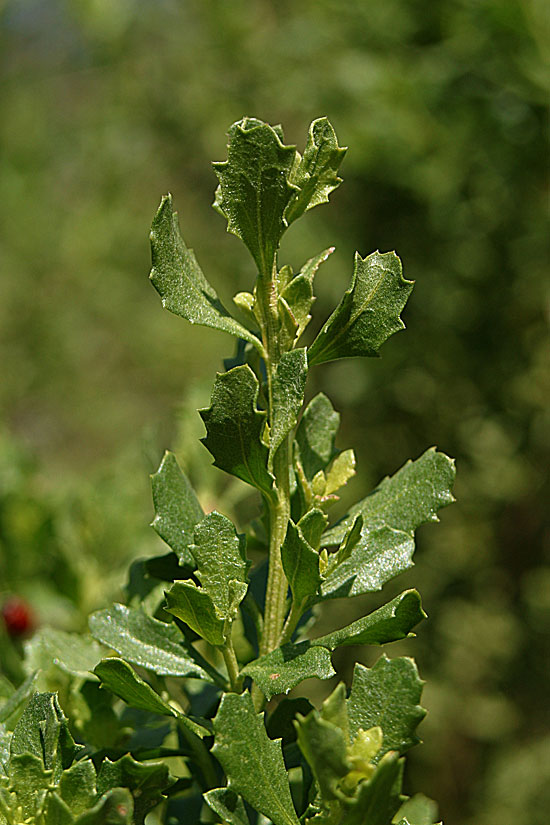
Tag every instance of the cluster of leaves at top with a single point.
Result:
(213, 639)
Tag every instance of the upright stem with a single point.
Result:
(232, 664)
(277, 585)
(279, 506)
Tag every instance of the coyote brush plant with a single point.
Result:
(210, 645)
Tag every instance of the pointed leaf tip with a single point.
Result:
(179, 280)
(368, 313)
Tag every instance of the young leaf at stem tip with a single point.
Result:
(254, 188)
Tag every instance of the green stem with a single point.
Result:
(292, 620)
(277, 585)
(278, 506)
(231, 663)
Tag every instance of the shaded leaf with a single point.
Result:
(324, 746)
(122, 680)
(228, 805)
(146, 782)
(289, 382)
(368, 313)
(144, 641)
(387, 695)
(77, 786)
(300, 563)
(312, 526)
(280, 723)
(389, 623)
(195, 607)
(315, 173)
(179, 280)
(176, 506)
(316, 434)
(252, 762)
(298, 297)
(57, 812)
(254, 189)
(234, 428)
(114, 808)
(287, 666)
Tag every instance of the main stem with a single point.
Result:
(277, 585)
(279, 505)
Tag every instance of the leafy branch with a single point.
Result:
(205, 643)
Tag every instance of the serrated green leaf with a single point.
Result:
(147, 782)
(289, 382)
(221, 559)
(377, 557)
(300, 564)
(228, 805)
(316, 434)
(315, 173)
(77, 786)
(116, 807)
(144, 641)
(404, 501)
(30, 780)
(387, 695)
(72, 652)
(179, 280)
(43, 731)
(254, 189)
(195, 607)
(368, 313)
(287, 666)
(389, 623)
(123, 681)
(324, 746)
(176, 506)
(252, 762)
(391, 514)
(234, 428)
(418, 810)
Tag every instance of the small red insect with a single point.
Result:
(18, 616)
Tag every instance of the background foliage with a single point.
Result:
(105, 106)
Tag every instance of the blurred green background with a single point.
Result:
(107, 104)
